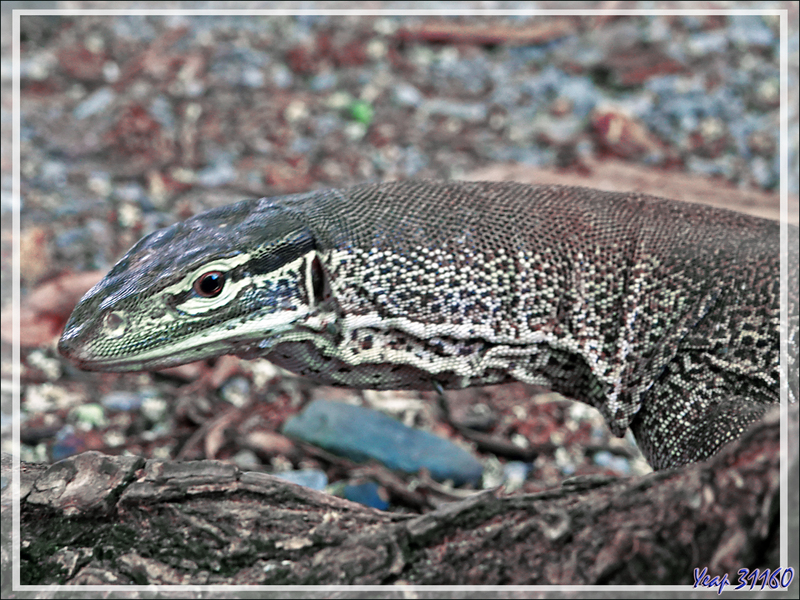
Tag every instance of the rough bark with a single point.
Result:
(96, 519)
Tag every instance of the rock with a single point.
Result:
(470, 112)
(217, 174)
(618, 464)
(94, 104)
(405, 94)
(310, 478)
(516, 473)
(236, 391)
(750, 31)
(121, 400)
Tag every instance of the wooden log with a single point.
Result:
(96, 519)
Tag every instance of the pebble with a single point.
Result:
(361, 112)
(470, 112)
(700, 44)
(412, 161)
(555, 131)
(253, 77)
(47, 397)
(53, 173)
(217, 174)
(38, 67)
(161, 111)
(323, 81)
(49, 366)
(154, 409)
(764, 174)
(711, 167)
(610, 461)
(564, 461)
(583, 93)
(236, 391)
(89, 416)
(362, 434)
(516, 473)
(122, 401)
(282, 76)
(131, 191)
(94, 104)
(750, 30)
(246, 460)
(6, 421)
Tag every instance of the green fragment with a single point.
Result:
(91, 415)
(362, 112)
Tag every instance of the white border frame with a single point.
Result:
(16, 204)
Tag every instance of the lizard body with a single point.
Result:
(663, 315)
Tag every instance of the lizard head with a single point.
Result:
(230, 280)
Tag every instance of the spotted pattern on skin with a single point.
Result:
(663, 315)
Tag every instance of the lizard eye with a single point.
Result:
(210, 284)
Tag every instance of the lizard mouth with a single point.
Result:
(71, 346)
(91, 363)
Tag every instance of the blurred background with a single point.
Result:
(132, 122)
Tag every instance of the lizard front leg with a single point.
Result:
(687, 415)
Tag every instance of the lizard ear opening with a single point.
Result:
(320, 289)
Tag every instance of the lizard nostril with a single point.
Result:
(68, 343)
(115, 324)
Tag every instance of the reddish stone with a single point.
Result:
(173, 186)
(82, 64)
(268, 443)
(715, 22)
(619, 134)
(137, 134)
(45, 311)
(489, 34)
(302, 61)
(287, 177)
(135, 130)
(48, 87)
(155, 60)
(211, 126)
(272, 414)
(634, 67)
(352, 54)
(381, 134)
(707, 147)
(398, 60)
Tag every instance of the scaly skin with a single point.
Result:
(663, 315)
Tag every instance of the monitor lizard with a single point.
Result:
(663, 315)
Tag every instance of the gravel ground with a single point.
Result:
(130, 123)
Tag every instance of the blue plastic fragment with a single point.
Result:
(367, 493)
(310, 478)
(67, 443)
(362, 434)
